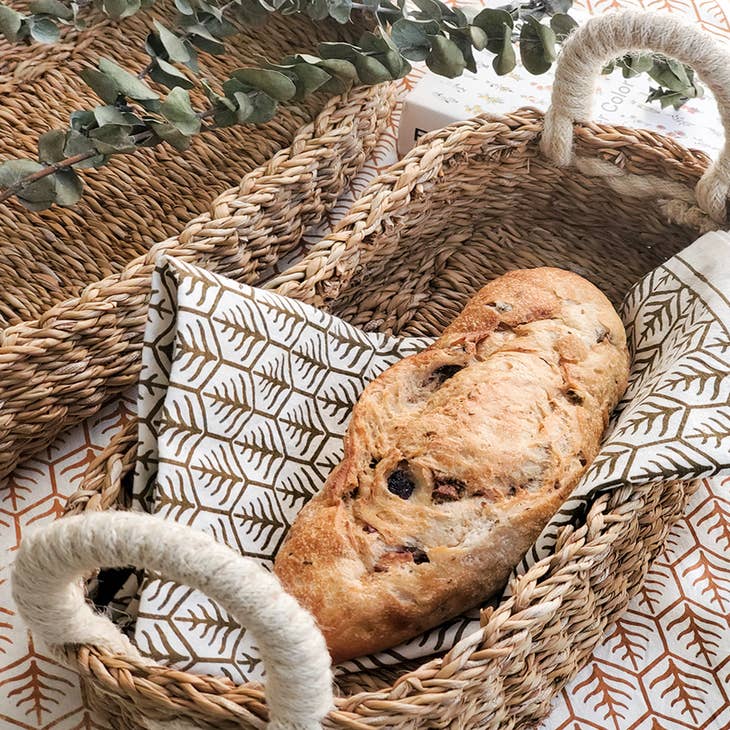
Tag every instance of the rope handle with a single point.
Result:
(601, 39)
(48, 590)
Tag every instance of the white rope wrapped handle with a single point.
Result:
(48, 590)
(610, 36)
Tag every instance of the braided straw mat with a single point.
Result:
(471, 201)
(74, 281)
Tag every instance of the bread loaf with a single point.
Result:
(455, 459)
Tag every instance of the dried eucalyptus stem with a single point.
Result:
(134, 115)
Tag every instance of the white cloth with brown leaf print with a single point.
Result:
(245, 397)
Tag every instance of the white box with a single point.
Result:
(436, 101)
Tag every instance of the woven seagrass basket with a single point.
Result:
(74, 281)
(470, 202)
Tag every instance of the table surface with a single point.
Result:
(665, 665)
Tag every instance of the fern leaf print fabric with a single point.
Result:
(245, 397)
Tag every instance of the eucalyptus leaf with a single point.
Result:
(343, 73)
(344, 70)
(184, 7)
(104, 86)
(562, 26)
(178, 110)
(166, 74)
(174, 46)
(192, 63)
(112, 138)
(445, 58)
(430, 9)
(171, 135)
(339, 10)
(250, 12)
(375, 44)
(341, 51)
(315, 9)
(505, 61)
(666, 74)
(153, 45)
(457, 18)
(393, 62)
(370, 70)
(50, 146)
(477, 37)
(13, 171)
(201, 37)
(51, 7)
(127, 83)
(11, 23)
(40, 192)
(110, 114)
(30, 205)
(264, 108)
(244, 106)
(118, 9)
(80, 144)
(301, 58)
(308, 79)
(219, 29)
(496, 24)
(82, 120)
(642, 62)
(225, 117)
(463, 42)
(44, 30)
(275, 84)
(68, 187)
(666, 98)
(208, 9)
(231, 86)
(411, 38)
(537, 46)
(681, 71)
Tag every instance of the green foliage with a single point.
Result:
(537, 46)
(676, 81)
(135, 114)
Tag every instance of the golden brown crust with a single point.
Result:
(455, 459)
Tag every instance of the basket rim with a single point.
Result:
(624, 156)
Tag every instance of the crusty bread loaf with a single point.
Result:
(455, 459)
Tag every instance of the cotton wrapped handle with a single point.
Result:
(610, 36)
(48, 590)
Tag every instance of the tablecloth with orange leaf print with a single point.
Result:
(664, 665)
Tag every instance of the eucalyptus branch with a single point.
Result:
(69, 162)
(134, 115)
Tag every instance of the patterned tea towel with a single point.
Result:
(245, 397)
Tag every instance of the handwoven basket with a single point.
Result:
(74, 281)
(471, 201)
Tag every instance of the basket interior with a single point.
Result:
(492, 212)
(137, 199)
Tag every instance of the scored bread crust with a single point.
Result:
(455, 459)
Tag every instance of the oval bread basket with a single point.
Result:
(470, 202)
(74, 281)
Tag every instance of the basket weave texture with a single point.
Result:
(470, 202)
(74, 281)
